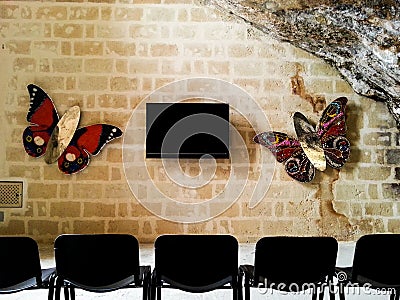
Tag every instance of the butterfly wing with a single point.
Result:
(280, 144)
(43, 117)
(299, 167)
(86, 140)
(288, 150)
(332, 131)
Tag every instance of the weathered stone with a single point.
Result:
(393, 156)
(360, 38)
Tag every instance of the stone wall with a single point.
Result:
(107, 56)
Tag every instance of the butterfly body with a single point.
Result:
(314, 148)
(58, 139)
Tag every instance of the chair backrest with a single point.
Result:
(196, 263)
(96, 260)
(289, 260)
(19, 261)
(377, 260)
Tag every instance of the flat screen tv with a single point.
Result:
(187, 130)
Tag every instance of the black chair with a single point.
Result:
(376, 265)
(98, 263)
(196, 264)
(20, 267)
(292, 264)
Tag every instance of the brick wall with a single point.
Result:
(107, 56)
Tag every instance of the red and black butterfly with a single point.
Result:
(44, 121)
(314, 148)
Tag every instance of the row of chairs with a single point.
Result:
(199, 263)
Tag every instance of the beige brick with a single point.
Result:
(106, 13)
(121, 66)
(99, 65)
(116, 31)
(95, 173)
(96, 209)
(147, 228)
(200, 14)
(123, 84)
(42, 191)
(198, 50)
(52, 13)
(120, 48)
(89, 226)
(356, 210)
(113, 101)
(19, 47)
(115, 191)
(160, 14)
(87, 191)
(167, 227)
(128, 14)
(26, 12)
(164, 50)
(374, 173)
(140, 66)
(218, 68)
(93, 83)
(88, 48)
(9, 11)
(124, 226)
(122, 210)
(24, 172)
(50, 82)
(84, 13)
(15, 154)
(279, 209)
(394, 225)
(247, 68)
(281, 227)
(24, 65)
(174, 67)
(42, 227)
(240, 50)
(13, 227)
(246, 227)
(68, 31)
(64, 65)
(379, 209)
(66, 48)
(65, 209)
(90, 31)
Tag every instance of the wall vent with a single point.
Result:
(11, 194)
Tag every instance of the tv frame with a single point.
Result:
(220, 110)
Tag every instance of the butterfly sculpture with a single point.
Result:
(60, 139)
(313, 148)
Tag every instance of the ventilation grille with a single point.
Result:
(11, 194)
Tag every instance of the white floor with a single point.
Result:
(246, 253)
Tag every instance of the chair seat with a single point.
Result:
(21, 269)
(98, 263)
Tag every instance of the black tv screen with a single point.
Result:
(187, 130)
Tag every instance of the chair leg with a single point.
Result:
(158, 292)
(341, 292)
(72, 290)
(52, 280)
(57, 291)
(66, 292)
(321, 292)
(314, 293)
(247, 292)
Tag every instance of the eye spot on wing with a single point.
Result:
(70, 157)
(39, 141)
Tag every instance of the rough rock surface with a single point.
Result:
(361, 38)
